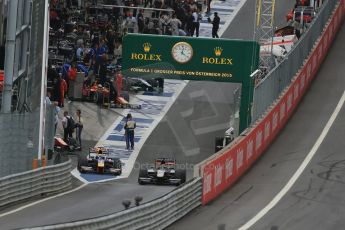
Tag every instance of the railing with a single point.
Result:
(280, 77)
(38, 182)
(156, 214)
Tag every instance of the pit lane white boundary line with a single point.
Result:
(300, 170)
(41, 201)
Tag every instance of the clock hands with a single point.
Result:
(182, 52)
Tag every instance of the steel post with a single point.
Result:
(10, 53)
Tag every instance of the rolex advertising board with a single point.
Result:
(188, 58)
(198, 59)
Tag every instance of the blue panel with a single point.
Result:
(158, 94)
(120, 138)
(96, 177)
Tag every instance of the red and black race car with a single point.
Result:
(164, 171)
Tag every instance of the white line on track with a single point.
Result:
(300, 170)
(40, 201)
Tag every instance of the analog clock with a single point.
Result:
(182, 52)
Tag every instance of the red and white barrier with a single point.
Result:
(222, 171)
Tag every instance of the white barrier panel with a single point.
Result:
(38, 182)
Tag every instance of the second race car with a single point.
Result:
(164, 171)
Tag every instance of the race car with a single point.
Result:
(100, 161)
(164, 171)
(305, 13)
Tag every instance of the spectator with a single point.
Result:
(129, 127)
(110, 38)
(157, 4)
(67, 124)
(130, 23)
(147, 2)
(103, 71)
(140, 20)
(80, 52)
(72, 72)
(215, 25)
(48, 96)
(196, 23)
(56, 115)
(164, 24)
(119, 83)
(63, 90)
(79, 124)
(175, 25)
(208, 6)
(189, 23)
(117, 52)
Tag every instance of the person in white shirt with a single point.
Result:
(67, 130)
(175, 25)
(196, 22)
(117, 52)
(79, 126)
(80, 52)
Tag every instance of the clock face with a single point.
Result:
(182, 52)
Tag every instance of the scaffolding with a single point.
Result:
(265, 30)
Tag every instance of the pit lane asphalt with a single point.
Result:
(212, 106)
(317, 199)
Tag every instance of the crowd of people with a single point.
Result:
(86, 36)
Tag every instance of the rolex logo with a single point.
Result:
(147, 47)
(218, 51)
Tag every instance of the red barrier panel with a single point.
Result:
(221, 172)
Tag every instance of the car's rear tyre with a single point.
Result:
(181, 174)
(142, 173)
(82, 162)
(117, 165)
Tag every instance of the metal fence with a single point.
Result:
(18, 136)
(157, 214)
(280, 77)
(19, 131)
(38, 182)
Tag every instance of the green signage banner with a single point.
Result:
(189, 58)
(198, 59)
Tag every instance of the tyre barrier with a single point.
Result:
(39, 182)
(156, 214)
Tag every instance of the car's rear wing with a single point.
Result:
(165, 161)
(98, 150)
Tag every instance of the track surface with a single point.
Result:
(317, 199)
(187, 132)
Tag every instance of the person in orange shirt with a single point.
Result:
(72, 72)
(119, 83)
(63, 90)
